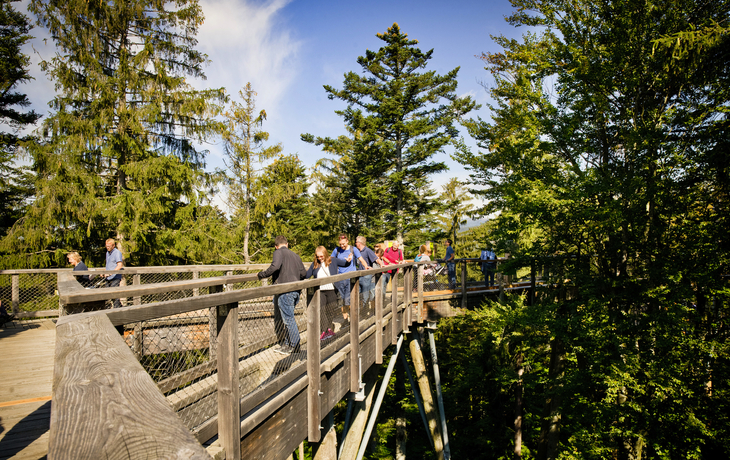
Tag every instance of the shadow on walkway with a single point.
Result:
(25, 432)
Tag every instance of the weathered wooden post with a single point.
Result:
(395, 329)
(423, 384)
(196, 275)
(354, 335)
(379, 294)
(229, 397)
(213, 325)
(532, 281)
(463, 284)
(137, 337)
(420, 294)
(313, 359)
(408, 298)
(15, 294)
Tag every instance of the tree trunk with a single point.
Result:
(550, 432)
(518, 408)
(400, 414)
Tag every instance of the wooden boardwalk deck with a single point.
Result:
(26, 373)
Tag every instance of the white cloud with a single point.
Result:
(248, 42)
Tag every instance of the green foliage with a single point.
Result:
(15, 189)
(282, 208)
(244, 144)
(605, 158)
(400, 118)
(116, 158)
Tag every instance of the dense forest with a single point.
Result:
(604, 161)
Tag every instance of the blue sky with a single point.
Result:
(288, 49)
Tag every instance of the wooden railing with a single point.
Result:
(105, 402)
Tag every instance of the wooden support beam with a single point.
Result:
(420, 294)
(313, 358)
(426, 395)
(15, 293)
(355, 336)
(408, 298)
(379, 294)
(327, 448)
(395, 330)
(361, 409)
(229, 397)
(463, 284)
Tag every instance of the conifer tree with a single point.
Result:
(456, 207)
(117, 157)
(404, 115)
(14, 181)
(244, 144)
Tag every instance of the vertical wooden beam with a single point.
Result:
(355, 336)
(379, 294)
(229, 397)
(407, 317)
(501, 286)
(395, 329)
(229, 287)
(213, 326)
(15, 294)
(137, 345)
(420, 293)
(532, 281)
(196, 291)
(463, 284)
(313, 359)
(327, 448)
(136, 281)
(425, 387)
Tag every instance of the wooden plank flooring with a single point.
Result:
(26, 373)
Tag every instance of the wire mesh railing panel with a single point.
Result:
(28, 292)
(367, 296)
(175, 352)
(272, 338)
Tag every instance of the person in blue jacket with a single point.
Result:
(325, 266)
(351, 254)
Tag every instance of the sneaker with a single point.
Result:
(327, 334)
(284, 349)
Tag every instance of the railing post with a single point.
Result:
(229, 409)
(394, 330)
(407, 297)
(138, 332)
(379, 294)
(354, 335)
(136, 281)
(213, 326)
(420, 294)
(463, 284)
(532, 281)
(501, 286)
(313, 359)
(15, 294)
(196, 291)
(229, 287)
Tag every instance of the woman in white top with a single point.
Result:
(424, 254)
(325, 266)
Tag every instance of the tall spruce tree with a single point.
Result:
(14, 181)
(404, 116)
(619, 171)
(246, 152)
(456, 208)
(117, 158)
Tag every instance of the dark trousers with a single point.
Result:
(114, 283)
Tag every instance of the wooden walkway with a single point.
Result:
(26, 372)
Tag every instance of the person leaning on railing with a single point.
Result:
(286, 267)
(74, 258)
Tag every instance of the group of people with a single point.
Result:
(286, 266)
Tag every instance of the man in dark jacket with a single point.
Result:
(285, 267)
